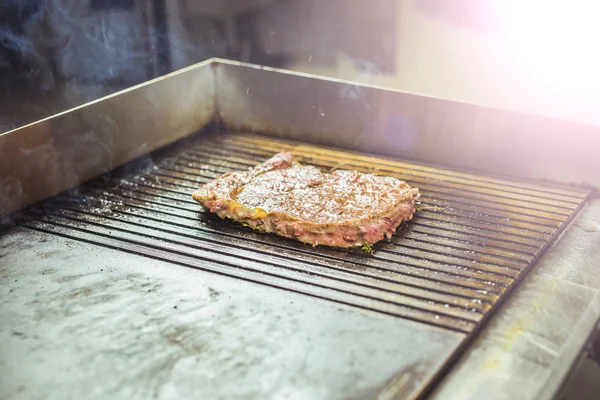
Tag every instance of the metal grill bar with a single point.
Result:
(514, 233)
(471, 240)
(452, 208)
(526, 212)
(321, 152)
(420, 253)
(460, 258)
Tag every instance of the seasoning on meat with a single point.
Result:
(340, 209)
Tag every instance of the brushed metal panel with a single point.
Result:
(47, 157)
(90, 322)
(410, 126)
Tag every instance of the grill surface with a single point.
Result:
(471, 241)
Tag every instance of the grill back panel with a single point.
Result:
(472, 239)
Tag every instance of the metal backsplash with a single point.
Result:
(58, 153)
(62, 151)
(406, 125)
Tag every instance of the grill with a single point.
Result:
(470, 242)
(96, 257)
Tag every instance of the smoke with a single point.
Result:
(11, 191)
(19, 53)
(93, 49)
(98, 46)
(66, 53)
(57, 54)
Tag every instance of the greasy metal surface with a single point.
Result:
(530, 345)
(472, 238)
(47, 157)
(81, 321)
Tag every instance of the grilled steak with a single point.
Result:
(341, 209)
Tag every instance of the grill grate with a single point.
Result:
(471, 241)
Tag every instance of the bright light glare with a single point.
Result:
(559, 41)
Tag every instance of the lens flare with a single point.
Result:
(556, 40)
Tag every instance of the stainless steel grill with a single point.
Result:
(471, 241)
(331, 324)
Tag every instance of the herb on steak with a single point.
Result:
(367, 248)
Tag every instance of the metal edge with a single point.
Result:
(504, 355)
(557, 377)
(104, 98)
(49, 156)
(239, 64)
(461, 351)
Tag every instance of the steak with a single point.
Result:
(341, 209)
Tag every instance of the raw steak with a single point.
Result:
(341, 209)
